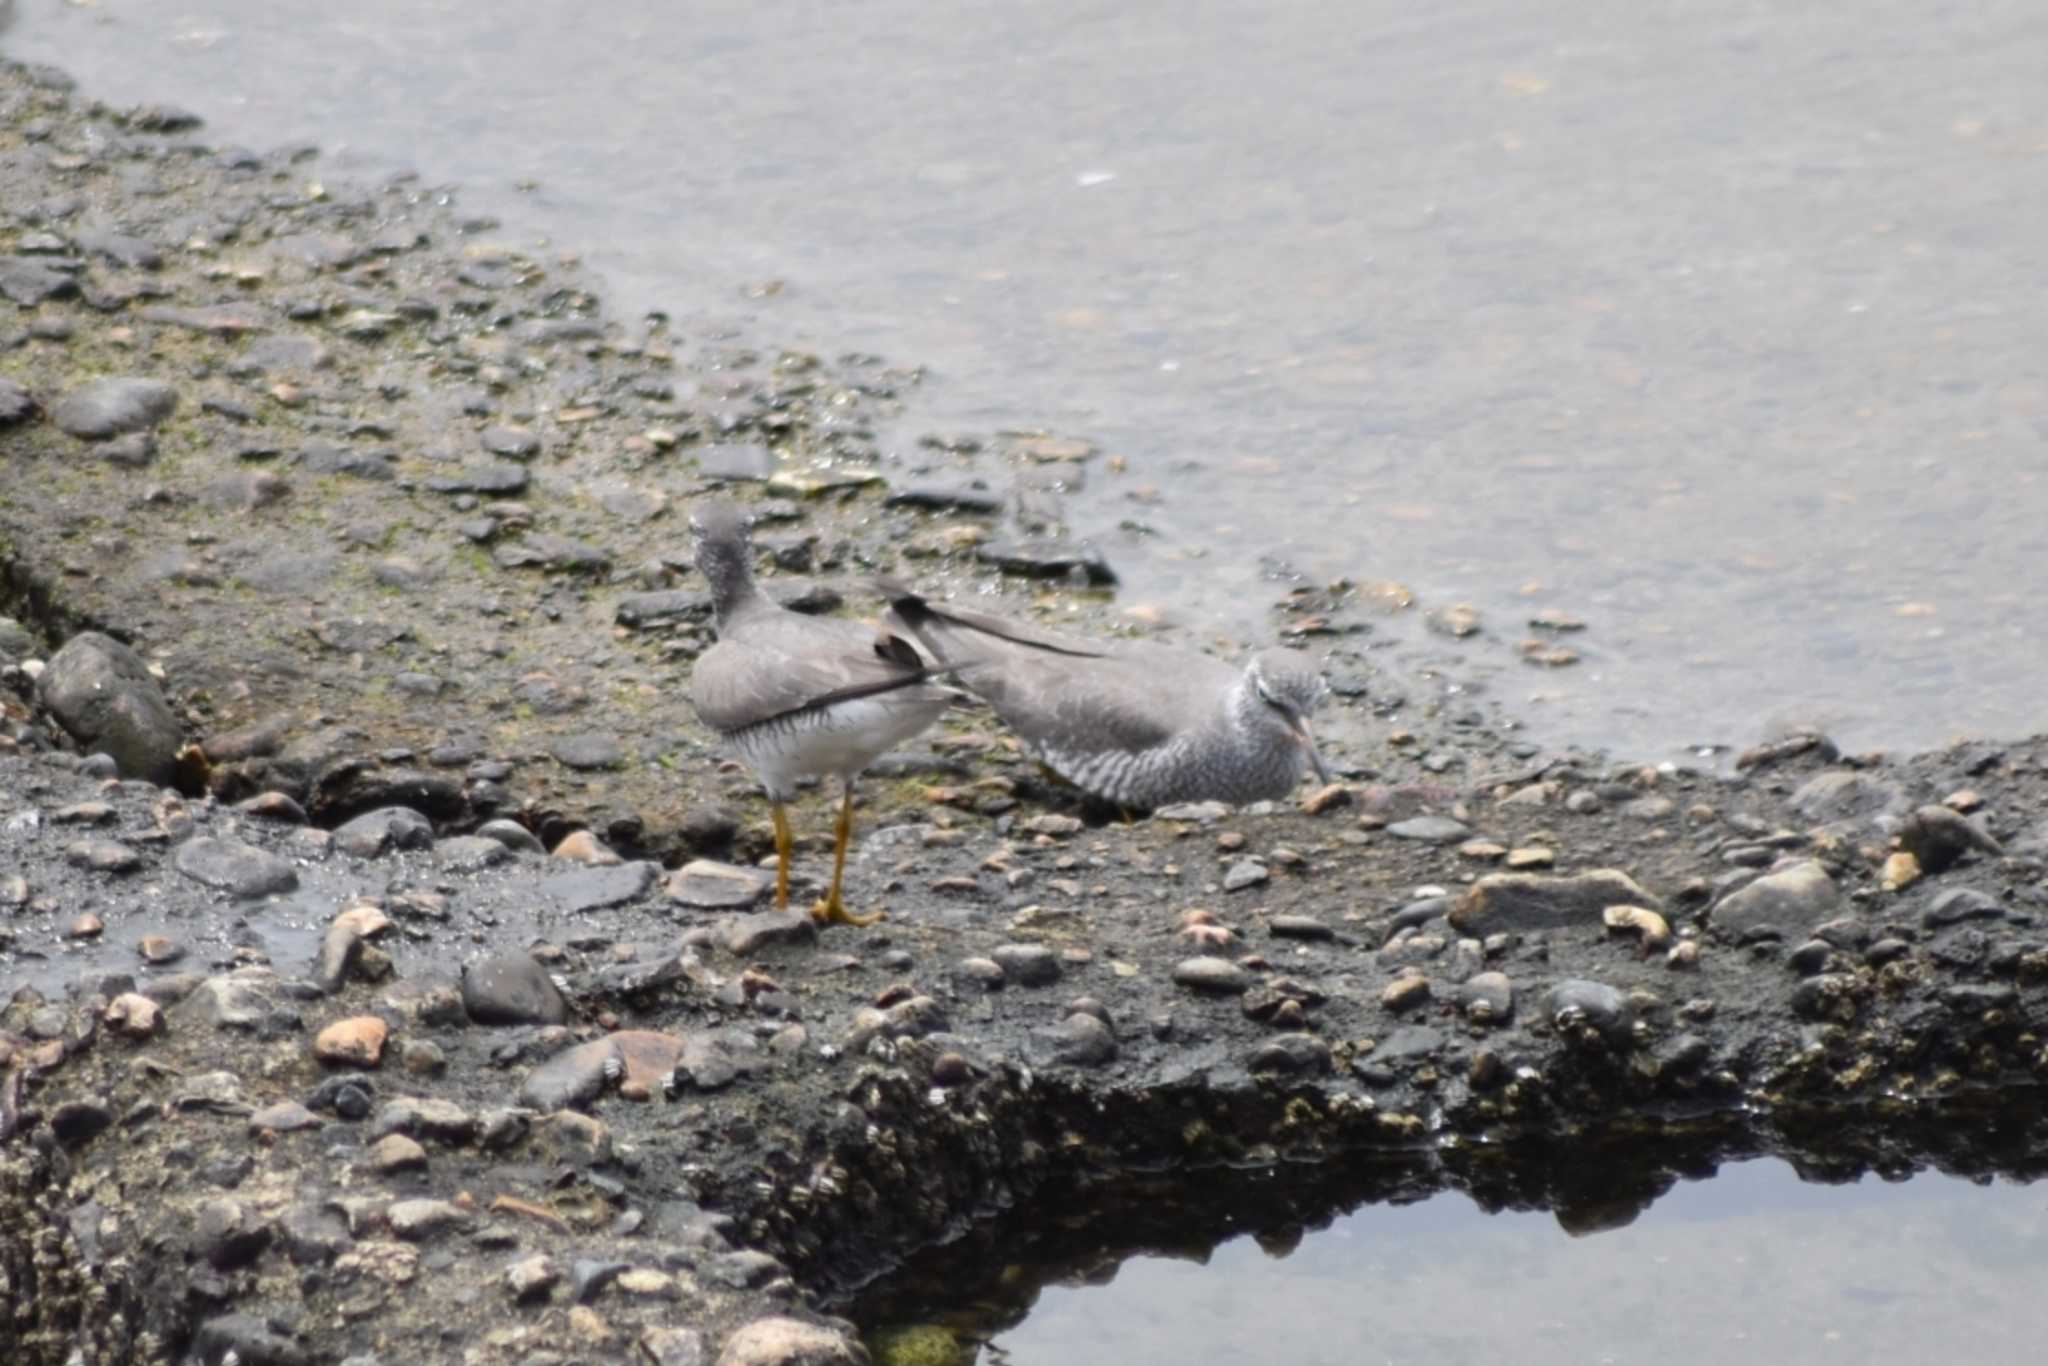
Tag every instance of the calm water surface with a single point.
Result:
(1718, 324)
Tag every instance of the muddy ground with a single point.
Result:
(427, 1006)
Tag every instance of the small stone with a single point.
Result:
(513, 443)
(512, 989)
(588, 752)
(1292, 1054)
(1956, 904)
(376, 833)
(1487, 998)
(1789, 902)
(790, 1342)
(1938, 838)
(418, 1220)
(355, 1042)
(102, 856)
(1027, 965)
(1533, 856)
(1405, 993)
(285, 1117)
(1576, 1006)
(228, 865)
(532, 1278)
(1079, 1040)
(750, 934)
(396, 1153)
(104, 696)
(159, 950)
(1528, 901)
(1901, 870)
(1244, 873)
(1650, 929)
(1218, 975)
(580, 846)
(133, 1016)
(1430, 829)
(710, 885)
(109, 407)
(1299, 927)
(87, 926)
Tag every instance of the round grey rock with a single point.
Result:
(1027, 965)
(109, 407)
(102, 693)
(239, 869)
(375, 833)
(512, 988)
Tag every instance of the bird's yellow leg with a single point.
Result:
(785, 848)
(832, 910)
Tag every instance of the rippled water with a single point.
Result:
(1717, 324)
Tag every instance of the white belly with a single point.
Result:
(841, 740)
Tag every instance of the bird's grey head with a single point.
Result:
(1284, 682)
(724, 553)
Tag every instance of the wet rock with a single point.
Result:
(1292, 1054)
(762, 930)
(1530, 901)
(1956, 904)
(1487, 998)
(1244, 873)
(109, 407)
(512, 835)
(312, 1234)
(1938, 838)
(1829, 996)
(1299, 927)
(713, 886)
(511, 989)
(1846, 795)
(1406, 992)
(594, 889)
(250, 998)
(470, 854)
(103, 695)
(241, 870)
(1027, 965)
(1079, 1040)
(1047, 559)
(790, 1342)
(1430, 830)
(248, 1341)
(396, 1153)
(1790, 902)
(230, 1235)
(133, 1016)
(102, 856)
(1579, 1009)
(1201, 813)
(1411, 1044)
(1216, 975)
(376, 833)
(575, 1076)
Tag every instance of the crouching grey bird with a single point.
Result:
(798, 696)
(1135, 723)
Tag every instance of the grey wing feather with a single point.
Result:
(775, 664)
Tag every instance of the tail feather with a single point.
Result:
(938, 627)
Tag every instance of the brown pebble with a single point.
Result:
(158, 950)
(580, 846)
(1326, 798)
(1405, 992)
(354, 1042)
(87, 926)
(396, 1153)
(134, 1015)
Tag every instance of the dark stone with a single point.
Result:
(241, 870)
(249, 1340)
(491, 480)
(970, 496)
(229, 1236)
(321, 457)
(1079, 1040)
(575, 1076)
(376, 833)
(593, 889)
(109, 407)
(1294, 1054)
(1938, 838)
(1790, 902)
(1576, 1006)
(1408, 1044)
(513, 443)
(102, 693)
(1027, 965)
(512, 988)
(1038, 558)
(1955, 904)
(78, 1122)
(750, 934)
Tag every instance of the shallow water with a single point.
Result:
(1718, 325)
(1714, 324)
(1754, 1265)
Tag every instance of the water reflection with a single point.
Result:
(1756, 1262)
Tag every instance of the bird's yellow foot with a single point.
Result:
(829, 911)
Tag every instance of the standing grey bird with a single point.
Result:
(800, 696)
(1132, 722)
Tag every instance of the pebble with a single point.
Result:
(1079, 1040)
(109, 407)
(713, 886)
(418, 1220)
(1244, 873)
(1529, 901)
(595, 889)
(159, 950)
(1430, 829)
(1576, 1005)
(396, 1153)
(511, 989)
(102, 856)
(285, 1117)
(1405, 992)
(532, 1278)
(1792, 901)
(588, 752)
(1845, 795)
(750, 934)
(581, 846)
(512, 835)
(1955, 904)
(1218, 975)
(1938, 838)
(1027, 965)
(228, 865)
(1299, 927)
(16, 403)
(778, 1341)
(376, 833)
(1487, 998)
(133, 1016)
(354, 1042)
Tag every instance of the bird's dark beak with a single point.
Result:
(1308, 742)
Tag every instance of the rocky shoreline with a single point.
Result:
(398, 983)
